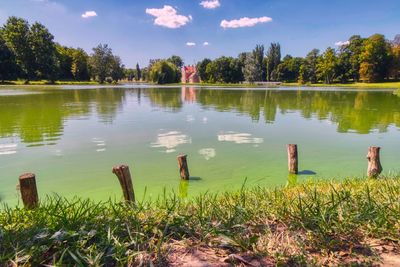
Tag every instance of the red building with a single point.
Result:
(189, 74)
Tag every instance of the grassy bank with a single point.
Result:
(45, 82)
(354, 221)
(383, 85)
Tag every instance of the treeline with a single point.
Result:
(372, 59)
(29, 52)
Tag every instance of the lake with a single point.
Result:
(72, 136)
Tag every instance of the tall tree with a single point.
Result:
(16, 35)
(375, 59)
(288, 70)
(261, 69)
(79, 66)
(138, 72)
(250, 71)
(327, 64)
(116, 69)
(176, 60)
(44, 52)
(273, 60)
(163, 72)
(8, 67)
(100, 62)
(311, 61)
(354, 48)
(202, 69)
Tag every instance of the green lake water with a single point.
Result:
(71, 137)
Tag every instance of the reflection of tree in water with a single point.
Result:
(168, 98)
(360, 111)
(39, 118)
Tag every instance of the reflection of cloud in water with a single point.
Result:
(100, 144)
(208, 153)
(239, 138)
(8, 149)
(205, 120)
(190, 118)
(171, 140)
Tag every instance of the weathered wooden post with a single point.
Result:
(124, 177)
(374, 162)
(29, 194)
(293, 159)
(183, 167)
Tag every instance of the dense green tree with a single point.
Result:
(176, 60)
(129, 74)
(65, 60)
(273, 59)
(310, 70)
(44, 52)
(326, 66)
(288, 70)
(250, 70)
(100, 62)
(80, 65)
(224, 70)
(375, 59)
(138, 75)
(16, 35)
(8, 66)
(163, 72)
(202, 69)
(354, 48)
(116, 69)
(261, 68)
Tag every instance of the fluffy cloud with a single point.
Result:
(190, 44)
(89, 14)
(206, 44)
(210, 4)
(341, 43)
(168, 17)
(244, 22)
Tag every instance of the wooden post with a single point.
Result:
(292, 159)
(29, 194)
(374, 162)
(183, 167)
(124, 177)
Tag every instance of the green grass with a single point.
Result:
(383, 85)
(313, 223)
(45, 82)
(238, 85)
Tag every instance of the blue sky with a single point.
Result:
(140, 30)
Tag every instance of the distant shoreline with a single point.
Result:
(383, 85)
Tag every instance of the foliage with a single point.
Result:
(176, 60)
(273, 60)
(326, 66)
(224, 70)
(289, 69)
(163, 72)
(8, 66)
(29, 52)
(202, 69)
(138, 75)
(294, 225)
(16, 32)
(375, 59)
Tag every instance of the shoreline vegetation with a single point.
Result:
(350, 222)
(381, 85)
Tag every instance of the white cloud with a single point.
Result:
(89, 14)
(168, 17)
(244, 22)
(341, 43)
(210, 4)
(206, 44)
(190, 44)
